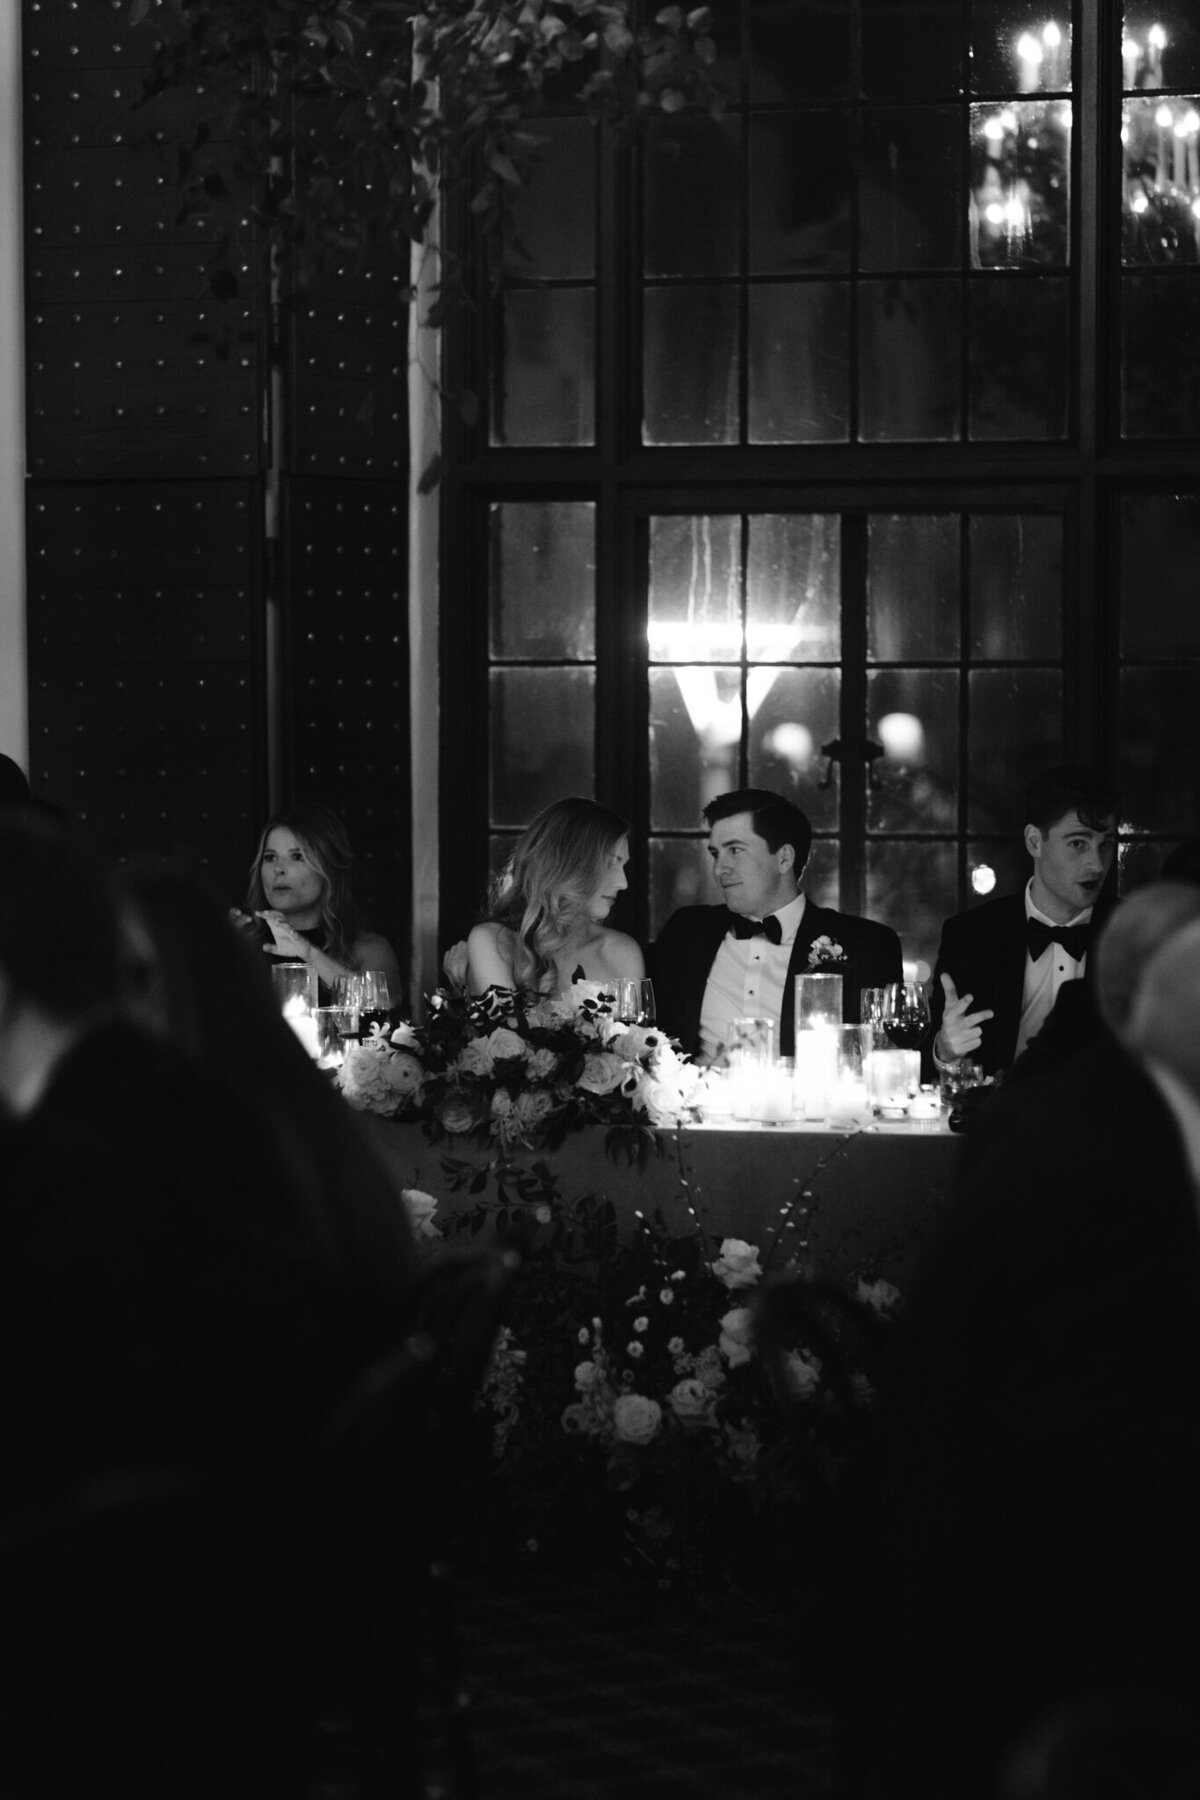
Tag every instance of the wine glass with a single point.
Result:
(634, 1002)
(871, 1001)
(905, 1017)
(374, 1001)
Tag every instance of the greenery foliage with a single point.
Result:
(351, 120)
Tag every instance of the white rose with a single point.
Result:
(878, 1294)
(803, 1374)
(585, 1376)
(636, 1420)
(737, 1263)
(691, 1402)
(474, 1058)
(550, 1014)
(601, 1073)
(505, 1045)
(743, 1444)
(737, 1336)
(662, 1100)
(420, 1208)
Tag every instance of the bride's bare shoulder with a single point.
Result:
(624, 956)
(489, 957)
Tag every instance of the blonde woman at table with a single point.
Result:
(545, 928)
(299, 905)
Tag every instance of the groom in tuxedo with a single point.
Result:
(1002, 965)
(713, 964)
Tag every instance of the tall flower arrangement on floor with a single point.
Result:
(526, 1082)
(631, 1408)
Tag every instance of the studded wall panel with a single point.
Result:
(348, 374)
(116, 382)
(144, 666)
(346, 670)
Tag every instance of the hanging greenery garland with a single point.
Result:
(336, 127)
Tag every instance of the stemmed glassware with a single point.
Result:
(375, 1004)
(366, 997)
(905, 1017)
(633, 1002)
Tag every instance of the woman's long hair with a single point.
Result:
(555, 871)
(322, 837)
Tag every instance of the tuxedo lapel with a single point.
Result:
(1007, 954)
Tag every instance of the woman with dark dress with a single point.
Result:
(300, 895)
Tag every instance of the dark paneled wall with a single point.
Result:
(151, 568)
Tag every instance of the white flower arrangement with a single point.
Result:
(527, 1083)
(824, 951)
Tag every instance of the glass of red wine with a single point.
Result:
(375, 1006)
(905, 1018)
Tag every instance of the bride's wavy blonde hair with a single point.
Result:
(543, 892)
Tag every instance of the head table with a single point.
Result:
(841, 1202)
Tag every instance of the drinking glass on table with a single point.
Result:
(870, 1005)
(905, 1018)
(634, 1002)
(374, 1006)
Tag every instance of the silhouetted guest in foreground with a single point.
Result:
(189, 976)
(1182, 861)
(1032, 1538)
(175, 1334)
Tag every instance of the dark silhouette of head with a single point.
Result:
(58, 919)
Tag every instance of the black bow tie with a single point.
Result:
(770, 928)
(1073, 938)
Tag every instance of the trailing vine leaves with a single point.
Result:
(349, 121)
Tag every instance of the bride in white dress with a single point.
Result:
(545, 927)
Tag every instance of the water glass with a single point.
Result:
(871, 1004)
(335, 1024)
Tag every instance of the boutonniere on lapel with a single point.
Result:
(823, 952)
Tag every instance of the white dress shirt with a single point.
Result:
(1044, 977)
(747, 980)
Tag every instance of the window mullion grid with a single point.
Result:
(964, 703)
(853, 773)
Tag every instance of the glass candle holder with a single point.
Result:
(893, 1078)
(816, 1066)
(772, 1096)
(751, 1053)
(294, 981)
(847, 1102)
(818, 1001)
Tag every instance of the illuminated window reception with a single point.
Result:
(1019, 213)
(1161, 219)
(1015, 48)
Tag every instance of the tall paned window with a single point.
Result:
(873, 245)
(843, 444)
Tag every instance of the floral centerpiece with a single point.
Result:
(631, 1406)
(527, 1081)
